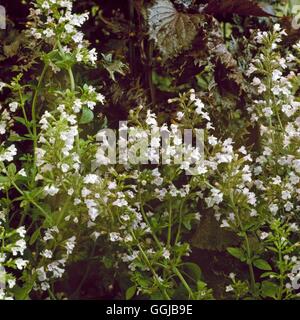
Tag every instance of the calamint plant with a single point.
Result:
(65, 204)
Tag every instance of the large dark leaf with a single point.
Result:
(172, 31)
(227, 74)
(239, 7)
(293, 35)
(210, 236)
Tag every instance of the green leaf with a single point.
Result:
(193, 270)
(34, 236)
(113, 66)
(186, 221)
(267, 274)
(269, 289)
(4, 179)
(20, 120)
(11, 169)
(130, 292)
(22, 293)
(237, 253)
(262, 264)
(87, 116)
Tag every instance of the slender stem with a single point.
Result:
(72, 81)
(249, 253)
(169, 225)
(51, 294)
(150, 73)
(148, 222)
(249, 256)
(281, 273)
(85, 274)
(30, 199)
(163, 290)
(179, 222)
(24, 112)
(185, 284)
(33, 114)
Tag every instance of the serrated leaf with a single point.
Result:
(172, 31)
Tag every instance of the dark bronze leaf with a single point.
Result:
(239, 7)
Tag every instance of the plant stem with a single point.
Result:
(169, 225)
(72, 81)
(179, 222)
(185, 284)
(163, 290)
(29, 199)
(249, 253)
(33, 116)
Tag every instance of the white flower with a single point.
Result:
(20, 263)
(19, 246)
(70, 244)
(47, 254)
(197, 216)
(78, 37)
(51, 190)
(93, 213)
(114, 236)
(65, 167)
(79, 58)
(100, 97)
(285, 194)
(11, 283)
(92, 56)
(9, 153)
(128, 238)
(276, 75)
(13, 106)
(48, 33)
(179, 115)
(120, 203)
(273, 208)
(22, 173)
(232, 275)
(212, 140)
(21, 231)
(256, 81)
(267, 111)
(91, 178)
(112, 185)
(166, 253)
(2, 85)
(224, 224)
(77, 106)
(229, 288)
(276, 27)
(264, 235)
